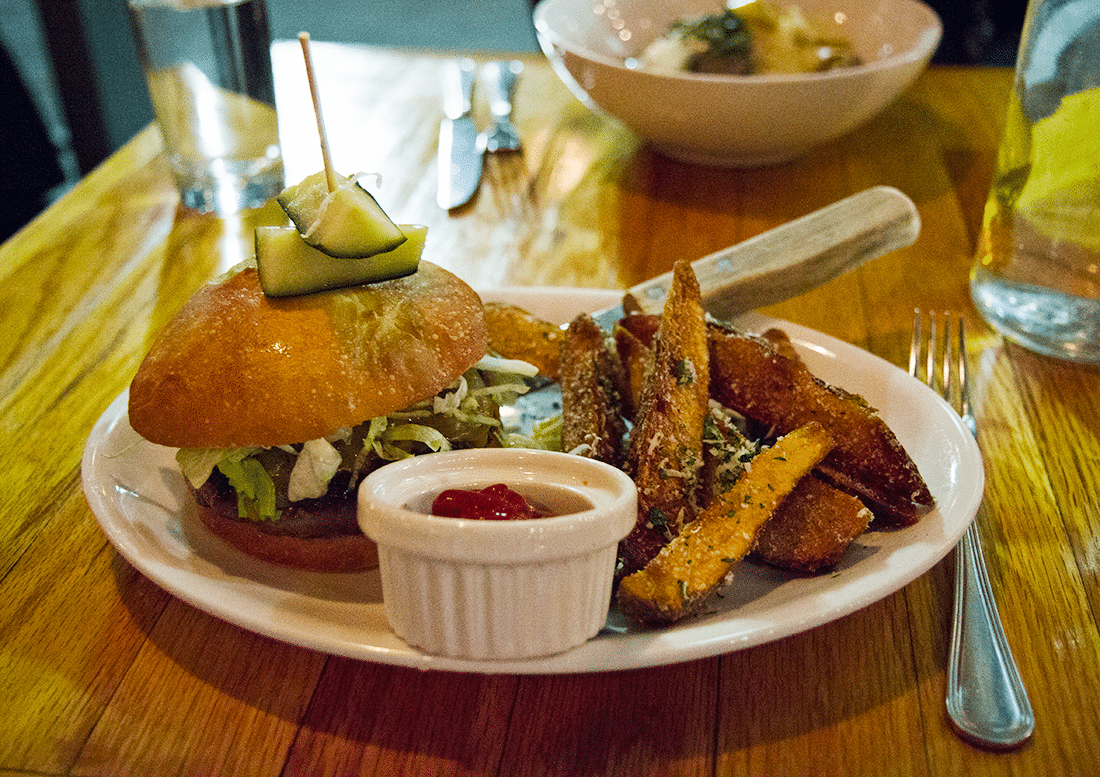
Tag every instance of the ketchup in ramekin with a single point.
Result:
(497, 502)
(502, 590)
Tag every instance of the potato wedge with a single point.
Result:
(515, 333)
(591, 392)
(812, 528)
(725, 452)
(665, 448)
(763, 378)
(635, 357)
(686, 571)
(751, 377)
(781, 342)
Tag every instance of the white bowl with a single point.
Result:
(726, 120)
(497, 589)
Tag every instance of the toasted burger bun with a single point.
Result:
(235, 368)
(238, 369)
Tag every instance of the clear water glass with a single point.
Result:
(207, 64)
(1036, 276)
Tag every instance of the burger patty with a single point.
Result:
(331, 515)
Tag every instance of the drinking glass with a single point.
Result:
(207, 64)
(1036, 277)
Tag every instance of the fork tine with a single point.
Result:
(964, 372)
(954, 386)
(938, 350)
(924, 348)
(952, 370)
(915, 343)
(930, 358)
(950, 378)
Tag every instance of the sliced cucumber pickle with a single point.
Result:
(288, 266)
(346, 223)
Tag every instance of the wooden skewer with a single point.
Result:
(330, 174)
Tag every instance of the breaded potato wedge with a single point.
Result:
(768, 391)
(665, 448)
(591, 391)
(725, 452)
(812, 528)
(751, 377)
(515, 333)
(686, 571)
(781, 342)
(635, 357)
(641, 325)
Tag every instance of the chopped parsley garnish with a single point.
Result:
(685, 372)
(657, 519)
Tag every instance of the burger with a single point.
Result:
(281, 405)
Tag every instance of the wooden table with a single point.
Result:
(103, 672)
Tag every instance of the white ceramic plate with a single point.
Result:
(141, 502)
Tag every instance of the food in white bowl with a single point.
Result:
(497, 589)
(735, 120)
(758, 37)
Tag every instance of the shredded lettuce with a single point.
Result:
(372, 441)
(450, 401)
(196, 464)
(255, 488)
(501, 392)
(545, 435)
(390, 450)
(463, 414)
(464, 401)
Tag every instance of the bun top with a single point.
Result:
(235, 368)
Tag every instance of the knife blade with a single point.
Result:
(776, 265)
(460, 156)
(788, 260)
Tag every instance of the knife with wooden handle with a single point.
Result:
(773, 266)
(790, 259)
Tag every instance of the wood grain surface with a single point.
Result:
(104, 673)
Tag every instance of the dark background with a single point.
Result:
(73, 92)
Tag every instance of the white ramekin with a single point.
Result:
(504, 589)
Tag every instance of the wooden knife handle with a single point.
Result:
(795, 257)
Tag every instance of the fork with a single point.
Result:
(500, 84)
(986, 699)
